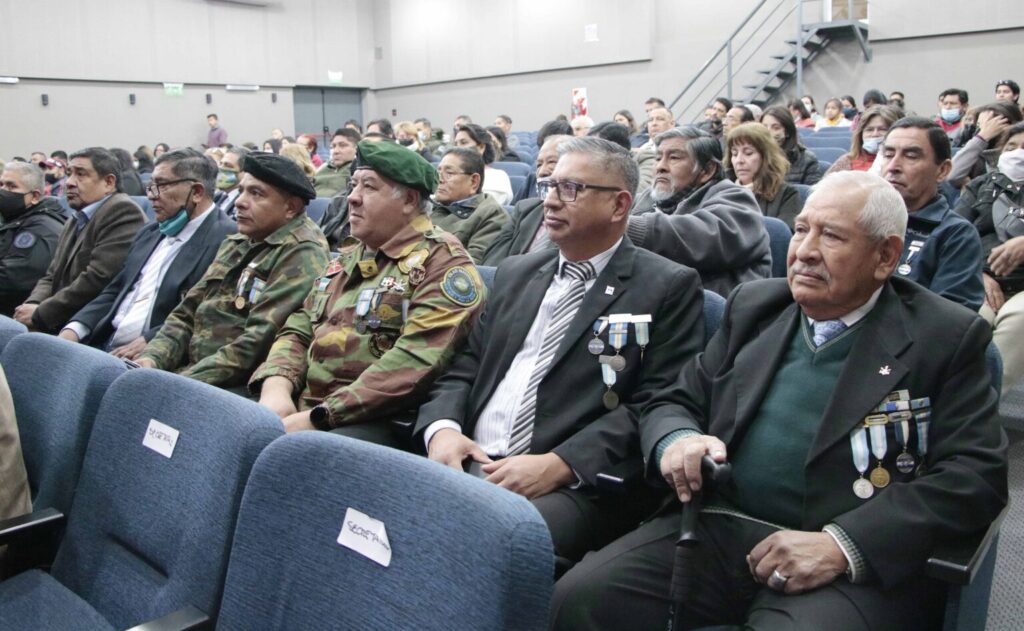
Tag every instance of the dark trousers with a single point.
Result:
(377, 432)
(626, 586)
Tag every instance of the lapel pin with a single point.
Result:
(609, 291)
(884, 370)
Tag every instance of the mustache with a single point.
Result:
(818, 270)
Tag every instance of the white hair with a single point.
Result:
(399, 191)
(884, 213)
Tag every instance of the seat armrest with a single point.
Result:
(958, 562)
(183, 619)
(30, 525)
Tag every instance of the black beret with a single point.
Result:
(397, 163)
(280, 172)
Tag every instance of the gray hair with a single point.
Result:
(610, 157)
(701, 147)
(189, 164)
(30, 175)
(399, 191)
(884, 213)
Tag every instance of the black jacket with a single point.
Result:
(27, 244)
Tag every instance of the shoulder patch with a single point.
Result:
(459, 287)
(24, 240)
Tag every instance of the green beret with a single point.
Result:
(397, 163)
(280, 172)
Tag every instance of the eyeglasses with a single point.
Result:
(445, 174)
(155, 189)
(567, 190)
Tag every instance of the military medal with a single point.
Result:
(333, 267)
(923, 420)
(859, 446)
(239, 302)
(380, 343)
(879, 445)
(901, 426)
(417, 275)
(617, 335)
(243, 280)
(610, 398)
(362, 308)
(387, 282)
(596, 345)
(641, 330)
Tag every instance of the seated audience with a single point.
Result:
(979, 153)
(229, 176)
(581, 125)
(941, 249)
(92, 247)
(757, 163)
(808, 102)
(55, 174)
(952, 107)
(272, 145)
(143, 159)
(501, 148)
(804, 535)
(1009, 91)
(849, 108)
(660, 119)
(380, 128)
(625, 117)
(131, 183)
(717, 111)
(165, 260)
(402, 293)
(407, 136)
(737, 115)
(309, 142)
(29, 231)
(866, 139)
(803, 164)
(426, 135)
(801, 115)
(553, 128)
(695, 216)
(298, 154)
(354, 125)
(461, 208)
(554, 325)
(833, 115)
(504, 123)
(526, 231)
(992, 203)
(496, 182)
(332, 178)
(225, 324)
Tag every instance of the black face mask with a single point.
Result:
(405, 142)
(51, 178)
(11, 204)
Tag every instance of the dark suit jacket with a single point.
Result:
(185, 270)
(571, 419)
(517, 235)
(84, 263)
(912, 339)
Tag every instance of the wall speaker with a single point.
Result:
(46, 100)
(209, 98)
(131, 99)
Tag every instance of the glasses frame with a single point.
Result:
(160, 187)
(568, 190)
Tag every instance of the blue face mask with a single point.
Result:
(870, 145)
(171, 226)
(849, 112)
(951, 116)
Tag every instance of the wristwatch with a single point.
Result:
(320, 417)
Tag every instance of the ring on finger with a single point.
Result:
(777, 581)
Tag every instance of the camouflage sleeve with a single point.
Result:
(486, 232)
(288, 356)
(439, 321)
(287, 286)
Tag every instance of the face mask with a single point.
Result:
(405, 142)
(227, 179)
(1011, 164)
(870, 145)
(172, 226)
(951, 116)
(423, 135)
(11, 203)
(51, 178)
(849, 112)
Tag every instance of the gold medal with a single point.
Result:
(880, 478)
(240, 302)
(610, 400)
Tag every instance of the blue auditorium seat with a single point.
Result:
(714, 308)
(513, 168)
(146, 206)
(154, 514)
(804, 190)
(316, 208)
(779, 236)
(519, 187)
(829, 154)
(462, 553)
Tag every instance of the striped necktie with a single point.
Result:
(561, 316)
(826, 330)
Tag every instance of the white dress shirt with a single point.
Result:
(494, 427)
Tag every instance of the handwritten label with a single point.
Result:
(160, 438)
(365, 535)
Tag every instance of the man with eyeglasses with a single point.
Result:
(92, 246)
(459, 205)
(225, 324)
(165, 260)
(386, 316)
(572, 343)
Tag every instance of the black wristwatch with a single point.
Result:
(320, 417)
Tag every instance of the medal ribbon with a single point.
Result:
(643, 334)
(363, 302)
(902, 430)
(599, 326)
(879, 444)
(608, 375)
(923, 420)
(618, 335)
(859, 446)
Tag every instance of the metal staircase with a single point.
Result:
(759, 39)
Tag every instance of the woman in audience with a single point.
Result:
(803, 164)
(754, 160)
(298, 154)
(801, 117)
(272, 145)
(131, 183)
(144, 157)
(309, 142)
(849, 108)
(811, 106)
(625, 117)
(160, 149)
(501, 148)
(408, 136)
(833, 115)
(979, 154)
(866, 139)
(496, 182)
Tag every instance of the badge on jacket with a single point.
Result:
(24, 240)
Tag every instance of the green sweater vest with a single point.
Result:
(768, 467)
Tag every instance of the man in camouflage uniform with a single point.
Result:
(226, 323)
(385, 318)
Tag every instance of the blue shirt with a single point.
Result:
(942, 251)
(83, 216)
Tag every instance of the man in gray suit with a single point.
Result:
(93, 245)
(164, 261)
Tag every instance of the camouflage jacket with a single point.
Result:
(376, 331)
(475, 221)
(226, 323)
